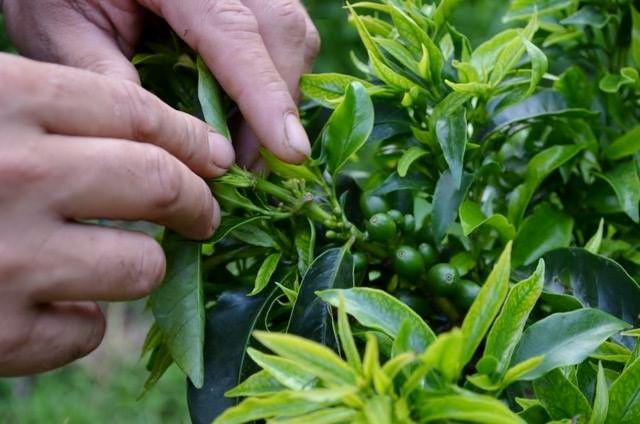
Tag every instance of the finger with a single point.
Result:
(285, 41)
(130, 181)
(76, 102)
(53, 335)
(312, 44)
(87, 262)
(226, 34)
(93, 38)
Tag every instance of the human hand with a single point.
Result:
(74, 146)
(256, 49)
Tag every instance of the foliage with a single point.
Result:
(510, 165)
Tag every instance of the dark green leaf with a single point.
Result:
(545, 230)
(625, 182)
(596, 281)
(231, 223)
(446, 201)
(560, 397)
(587, 15)
(311, 317)
(624, 397)
(178, 305)
(451, 132)
(566, 338)
(394, 182)
(229, 325)
(411, 155)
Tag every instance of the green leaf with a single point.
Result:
(468, 407)
(265, 272)
(486, 305)
(451, 132)
(624, 397)
(625, 182)
(328, 89)
(509, 325)
(209, 96)
(288, 170)
(283, 404)
(348, 127)
(251, 233)
(258, 384)
(520, 369)
(472, 218)
(601, 399)
(545, 230)
(346, 338)
(523, 9)
(305, 241)
(311, 318)
(379, 310)
(394, 182)
(446, 201)
(626, 145)
(326, 415)
(540, 167)
(596, 281)
(561, 397)
(229, 325)
(411, 155)
(587, 15)
(566, 338)
(178, 305)
(231, 223)
(538, 106)
(593, 245)
(317, 359)
(286, 372)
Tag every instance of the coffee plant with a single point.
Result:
(462, 245)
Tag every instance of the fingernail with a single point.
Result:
(221, 153)
(295, 136)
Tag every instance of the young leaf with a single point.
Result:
(178, 305)
(317, 359)
(406, 160)
(601, 398)
(348, 127)
(346, 338)
(285, 371)
(229, 325)
(486, 305)
(265, 272)
(328, 89)
(311, 318)
(305, 241)
(566, 338)
(593, 245)
(560, 397)
(210, 100)
(467, 407)
(508, 327)
(258, 384)
(379, 310)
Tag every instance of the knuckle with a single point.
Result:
(230, 16)
(164, 178)
(149, 269)
(290, 17)
(19, 170)
(141, 111)
(312, 43)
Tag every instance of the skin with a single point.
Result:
(85, 144)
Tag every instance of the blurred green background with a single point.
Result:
(105, 386)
